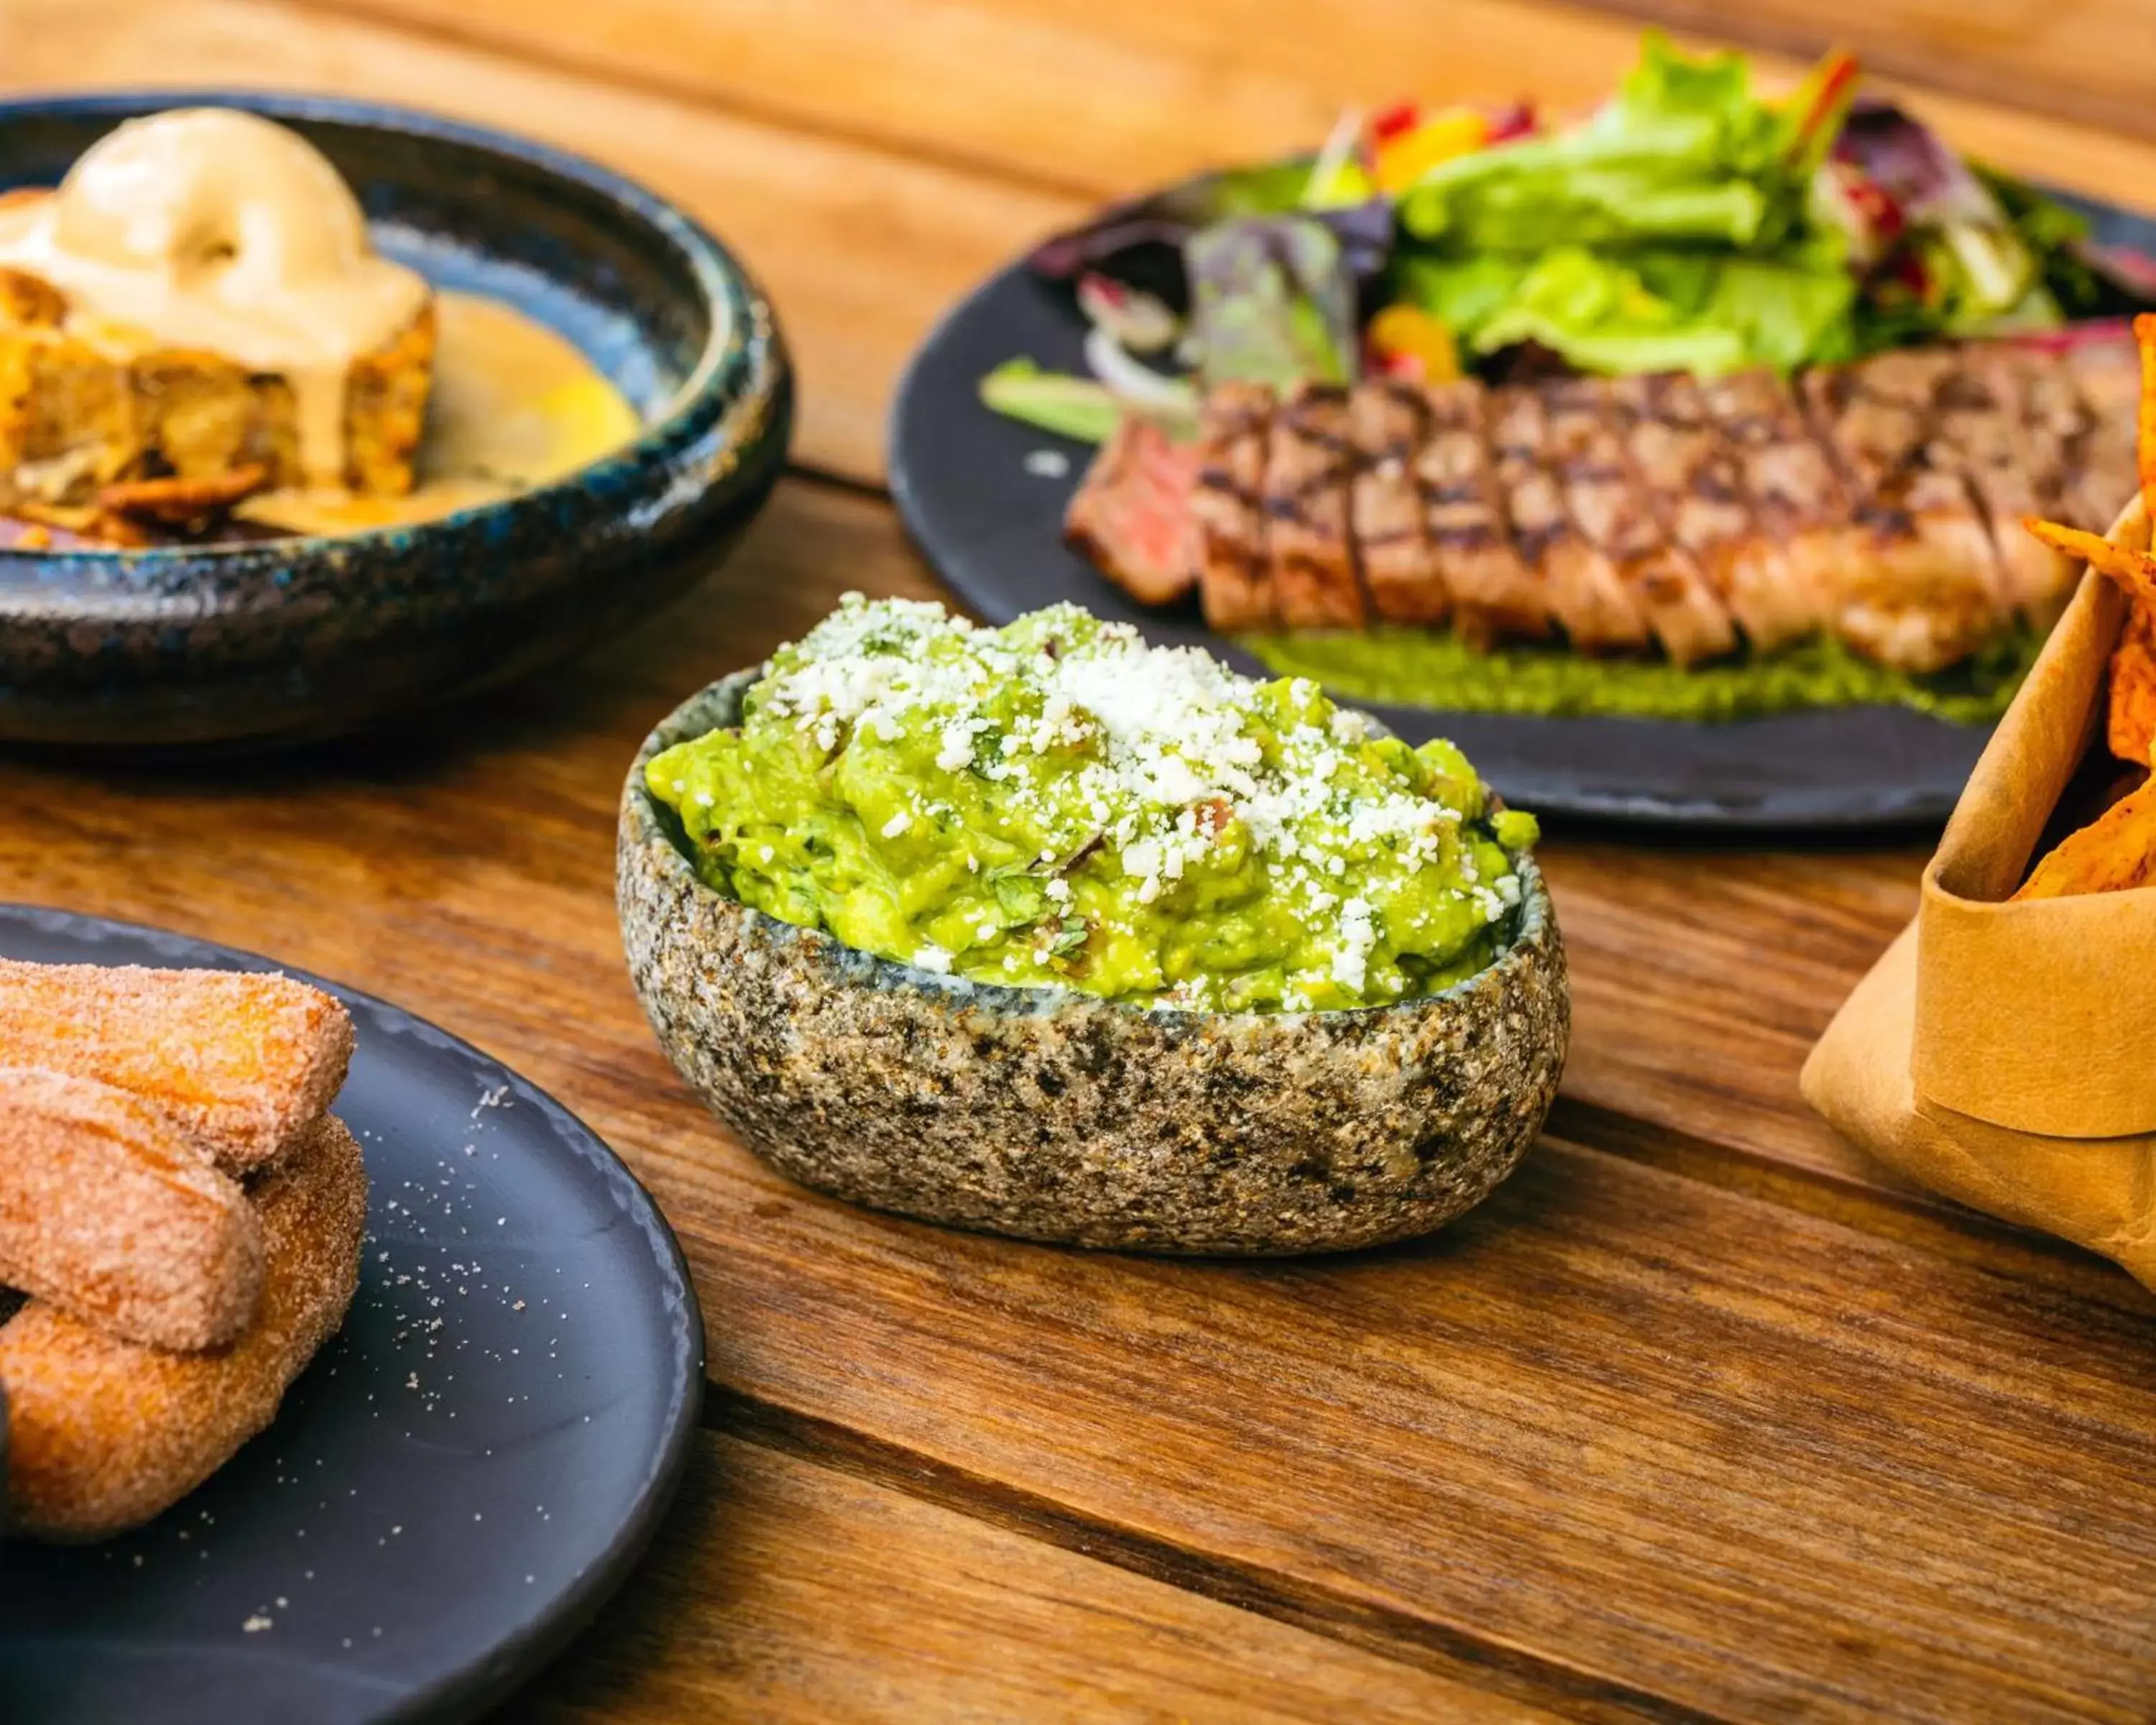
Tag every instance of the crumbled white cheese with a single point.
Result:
(1074, 737)
(957, 753)
(1358, 935)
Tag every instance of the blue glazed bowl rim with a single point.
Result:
(740, 317)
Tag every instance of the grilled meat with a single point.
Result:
(1387, 424)
(1617, 510)
(1309, 461)
(1920, 582)
(1457, 476)
(1597, 510)
(1980, 430)
(1880, 502)
(2107, 376)
(1690, 479)
(1575, 579)
(1131, 517)
(1781, 578)
(1235, 576)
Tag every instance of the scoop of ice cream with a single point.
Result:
(216, 230)
(228, 202)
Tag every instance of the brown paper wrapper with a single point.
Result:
(1999, 1052)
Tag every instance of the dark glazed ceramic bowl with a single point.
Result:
(1055, 1116)
(286, 640)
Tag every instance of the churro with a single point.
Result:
(111, 1212)
(244, 1062)
(105, 1434)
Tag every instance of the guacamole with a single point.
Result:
(1411, 667)
(1056, 803)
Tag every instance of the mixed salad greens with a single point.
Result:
(1689, 224)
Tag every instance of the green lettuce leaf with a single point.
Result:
(1272, 301)
(1602, 316)
(1689, 310)
(1464, 294)
(1078, 408)
(1787, 313)
(1684, 151)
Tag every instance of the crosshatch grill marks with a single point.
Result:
(1309, 461)
(1878, 503)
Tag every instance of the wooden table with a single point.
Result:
(1702, 1415)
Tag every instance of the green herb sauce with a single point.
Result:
(1410, 667)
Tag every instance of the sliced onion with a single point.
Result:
(1133, 319)
(1136, 382)
(1346, 135)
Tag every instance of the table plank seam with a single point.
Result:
(817, 473)
(688, 92)
(1914, 1219)
(1442, 1649)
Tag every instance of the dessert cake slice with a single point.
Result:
(197, 313)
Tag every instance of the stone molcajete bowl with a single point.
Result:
(282, 640)
(1056, 1116)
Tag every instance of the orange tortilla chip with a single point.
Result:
(2144, 337)
(2133, 570)
(83, 521)
(2131, 727)
(180, 500)
(2114, 853)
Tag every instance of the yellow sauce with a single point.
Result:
(514, 405)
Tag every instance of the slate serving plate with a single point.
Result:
(290, 640)
(991, 524)
(463, 1473)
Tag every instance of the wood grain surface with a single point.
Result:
(1703, 1416)
(823, 1593)
(2088, 62)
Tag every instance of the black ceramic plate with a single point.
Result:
(987, 513)
(465, 1472)
(295, 638)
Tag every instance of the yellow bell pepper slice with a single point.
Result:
(1406, 337)
(1405, 159)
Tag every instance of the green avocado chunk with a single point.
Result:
(1056, 803)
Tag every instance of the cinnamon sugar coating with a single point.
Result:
(244, 1062)
(113, 1214)
(105, 1434)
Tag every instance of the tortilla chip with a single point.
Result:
(85, 523)
(2135, 571)
(2114, 853)
(180, 500)
(2144, 337)
(2131, 729)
